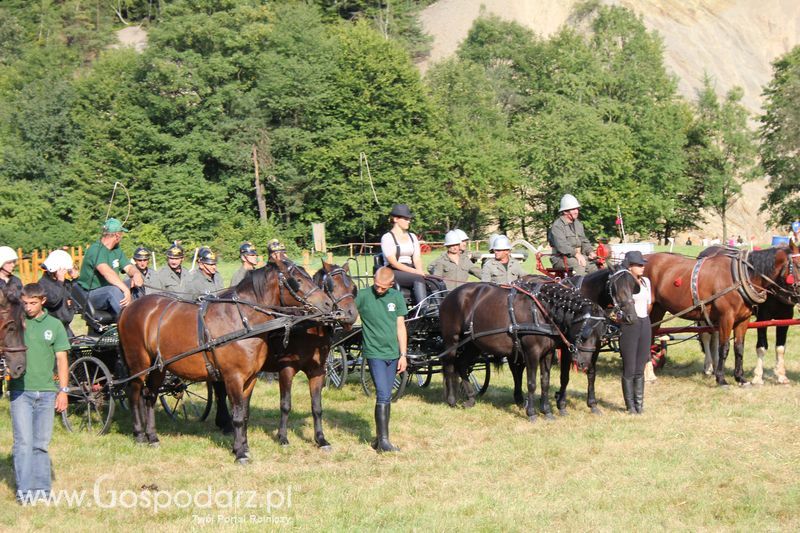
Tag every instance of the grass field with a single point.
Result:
(700, 458)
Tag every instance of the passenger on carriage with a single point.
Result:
(141, 260)
(570, 247)
(58, 301)
(401, 252)
(8, 281)
(249, 258)
(170, 276)
(794, 237)
(205, 279)
(103, 263)
(502, 269)
(453, 266)
(277, 251)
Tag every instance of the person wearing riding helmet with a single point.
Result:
(453, 266)
(502, 269)
(794, 237)
(401, 253)
(141, 260)
(58, 301)
(566, 236)
(171, 276)
(103, 263)
(249, 258)
(276, 250)
(10, 283)
(205, 279)
(635, 339)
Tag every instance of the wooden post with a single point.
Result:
(306, 259)
(351, 250)
(330, 258)
(262, 203)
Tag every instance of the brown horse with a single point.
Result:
(507, 322)
(13, 355)
(308, 349)
(155, 328)
(718, 293)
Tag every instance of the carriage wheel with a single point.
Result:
(422, 376)
(399, 387)
(336, 367)
(91, 402)
(186, 401)
(479, 376)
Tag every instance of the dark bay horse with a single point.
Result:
(308, 349)
(482, 316)
(779, 305)
(158, 327)
(612, 290)
(717, 295)
(13, 355)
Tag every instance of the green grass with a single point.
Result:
(701, 458)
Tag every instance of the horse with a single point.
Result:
(612, 290)
(524, 323)
(715, 296)
(13, 354)
(158, 327)
(779, 305)
(307, 350)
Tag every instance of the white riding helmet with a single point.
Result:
(57, 260)
(568, 202)
(501, 242)
(451, 238)
(7, 254)
(461, 234)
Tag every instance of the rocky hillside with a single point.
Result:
(733, 40)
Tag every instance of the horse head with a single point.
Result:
(621, 287)
(792, 278)
(297, 288)
(340, 288)
(13, 354)
(781, 269)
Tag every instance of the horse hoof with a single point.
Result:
(532, 419)
(469, 404)
(744, 383)
(596, 411)
(155, 444)
(283, 441)
(783, 380)
(244, 461)
(549, 416)
(140, 439)
(325, 447)
(562, 412)
(757, 382)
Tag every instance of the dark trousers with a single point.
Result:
(634, 346)
(415, 282)
(383, 373)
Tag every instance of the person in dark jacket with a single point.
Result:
(58, 302)
(635, 339)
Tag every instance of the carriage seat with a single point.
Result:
(96, 319)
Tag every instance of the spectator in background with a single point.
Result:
(249, 259)
(8, 281)
(56, 287)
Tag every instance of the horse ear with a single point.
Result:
(346, 267)
(326, 266)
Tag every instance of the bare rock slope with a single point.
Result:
(735, 41)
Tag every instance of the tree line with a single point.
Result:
(324, 98)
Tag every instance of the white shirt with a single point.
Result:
(643, 298)
(407, 249)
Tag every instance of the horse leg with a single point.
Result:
(463, 364)
(710, 359)
(561, 394)
(223, 417)
(449, 371)
(315, 384)
(285, 377)
(236, 393)
(531, 365)
(724, 346)
(591, 376)
(780, 352)
(738, 351)
(761, 351)
(137, 409)
(516, 372)
(544, 400)
(154, 380)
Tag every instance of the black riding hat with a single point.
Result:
(634, 257)
(401, 210)
(141, 254)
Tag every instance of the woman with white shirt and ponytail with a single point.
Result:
(636, 338)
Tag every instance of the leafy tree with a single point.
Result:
(780, 139)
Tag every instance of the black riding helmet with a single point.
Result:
(141, 254)
(247, 248)
(401, 210)
(175, 251)
(206, 256)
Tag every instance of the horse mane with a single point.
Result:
(563, 303)
(318, 276)
(763, 261)
(256, 281)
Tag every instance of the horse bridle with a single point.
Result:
(283, 283)
(616, 311)
(328, 287)
(590, 323)
(7, 349)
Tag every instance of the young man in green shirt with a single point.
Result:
(35, 393)
(383, 310)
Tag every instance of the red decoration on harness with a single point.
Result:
(678, 282)
(790, 279)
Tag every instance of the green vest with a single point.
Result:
(379, 322)
(44, 336)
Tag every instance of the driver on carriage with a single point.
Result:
(502, 269)
(103, 263)
(453, 266)
(401, 252)
(205, 279)
(570, 247)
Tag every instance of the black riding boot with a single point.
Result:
(638, 394)
(382, 414)
(420, 293)
(627, 394)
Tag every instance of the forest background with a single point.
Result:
(489, 139)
